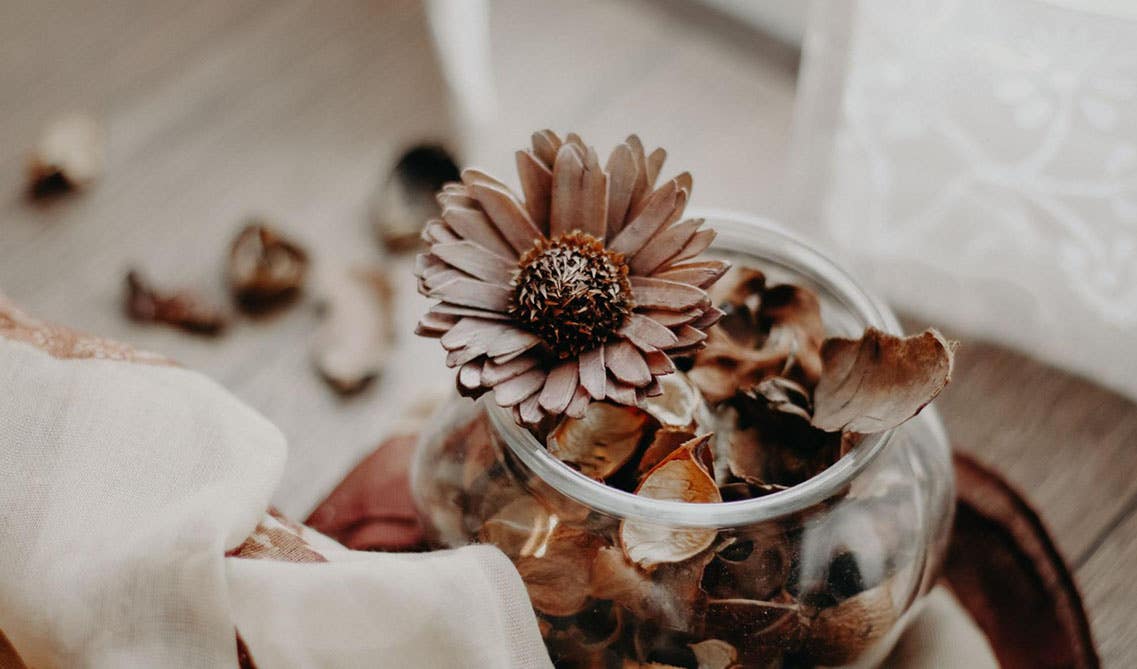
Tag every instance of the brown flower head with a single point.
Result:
(583, 289)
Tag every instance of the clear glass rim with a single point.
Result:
(763, 239)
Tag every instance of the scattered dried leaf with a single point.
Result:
(182, 309)
(266, 270)
(877, 382)
(353, 342)
(68, 156)
(405, 201)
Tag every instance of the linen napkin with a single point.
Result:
(134, 533)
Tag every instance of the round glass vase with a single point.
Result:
(824, 573)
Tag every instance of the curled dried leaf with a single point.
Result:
(266, 270)
(556, 570)
(715, 654)
(602, 441)
(354, 341)
(877, 382)
(182, 309)
(679, 405)
(683, 476)
(663, 443)
(68, 156)
(405, 201)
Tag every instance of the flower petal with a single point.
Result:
(689, 336)
(537, 184)
(519, 388)
(621, 393)
(701, 274)
(659, 207)
(470, 375)
(530, 410)
(475, 260)
(567, 173)
(508, 216)
(663, 246)
(560, 387)
(672, 319)
(647, 334)
(663, 294)
(698, 243)
(579, 404)
(494, 373)
(474, 225)
(592, 374)
(655, 165)
(474, 293)
(436, 231)
(709, 318)
(472, 176)
(622, 171)
(435, 325)
(469, 331)
(510, 340)
(626, 363)
(455, 310)
(546, 143)
(659, 363)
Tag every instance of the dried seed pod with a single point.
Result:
(682, 476)
(877, 382)
(266, 270)
(183, 310)
(839, 635)
(556, 570)
(715, 654)
(68, 156)
(354, 340)
(601, 442)
(405, 201)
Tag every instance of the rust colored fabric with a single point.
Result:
(1006, 571)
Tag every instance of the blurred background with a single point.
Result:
(974, 163)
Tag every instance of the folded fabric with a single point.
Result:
(124, 483)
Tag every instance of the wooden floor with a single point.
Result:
(221, 109)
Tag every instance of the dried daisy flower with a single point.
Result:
(581, 290)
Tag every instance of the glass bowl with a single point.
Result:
(824, 573)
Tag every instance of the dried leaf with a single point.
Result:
(68, 156)
(669, 595)
(354, 340)
(266, 270)
(601, 442)
(182, 309)
(753, 565)
(839, 635)
(715, 654)
(556, 571)
(877, 382)
(682, 476)
(679, 405)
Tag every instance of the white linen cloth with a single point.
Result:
(123, 482)
(976, 162)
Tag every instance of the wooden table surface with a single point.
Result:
(221, 109)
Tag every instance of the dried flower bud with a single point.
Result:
(354, 340)
(183, 310)
(405, 201)
(266, 270)
(68, 156)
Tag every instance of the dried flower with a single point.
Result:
(354, 340)
(266, 270)
(405, 200)
(68, 156)
(581, 292)
(182, 309)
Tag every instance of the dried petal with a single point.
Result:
(839, 635)
(355, 339)
(681, 476)
(668, 595)
(715, 654)
(266, 270)
(678, 406)
(405, 200)
(183, 310)
(879, 381)
(601, 442)
(68, 156)
(556, 571)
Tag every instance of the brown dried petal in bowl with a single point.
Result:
(663, 443)
(679, 405)
(877, 382)
(669, 595)
(753, 565)
(715, 654)
(556, 570)
(839, 635)
(602, 441)
(353, 342)
(182, 309)
(266, 270)
(683, 476)
(68, 156)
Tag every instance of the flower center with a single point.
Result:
(571, 292)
